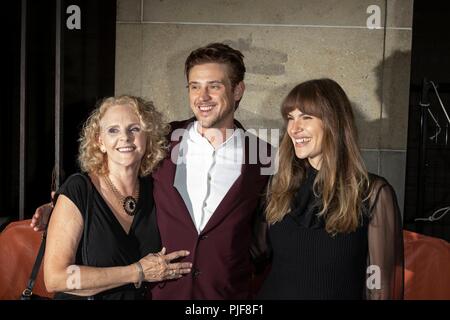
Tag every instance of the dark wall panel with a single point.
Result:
(429, 59)
(87, 70)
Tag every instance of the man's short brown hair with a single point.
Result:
(218, 53)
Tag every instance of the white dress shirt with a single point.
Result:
(204, 175)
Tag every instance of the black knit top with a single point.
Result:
(309, 263)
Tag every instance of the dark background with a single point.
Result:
(430, 58)
(88, 62)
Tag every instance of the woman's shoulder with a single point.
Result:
(75, 187)
(377, 182)
(77, 180)
(379, 188)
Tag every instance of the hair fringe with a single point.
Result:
(342, 182)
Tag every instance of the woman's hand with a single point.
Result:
(41, 216)
(158, 266)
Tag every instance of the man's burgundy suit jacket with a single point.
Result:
(222, 265)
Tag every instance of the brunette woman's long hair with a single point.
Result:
(342, 181)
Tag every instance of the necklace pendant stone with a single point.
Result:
(129, 205)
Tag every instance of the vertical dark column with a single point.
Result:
(40, 101)
(89, 63)
(422, 168)
(22, 123)
(54, 77)
(58, 98)
(10, 116)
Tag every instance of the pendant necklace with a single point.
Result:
(129, 203)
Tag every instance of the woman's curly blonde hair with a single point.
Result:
(90, 157)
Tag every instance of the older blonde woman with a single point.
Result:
(121, 143)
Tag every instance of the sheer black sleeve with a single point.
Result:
(385, 237)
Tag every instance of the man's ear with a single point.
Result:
(239, 91)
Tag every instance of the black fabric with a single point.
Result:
(385, 238)
(305, 205)
(108, 244)
(308, 263)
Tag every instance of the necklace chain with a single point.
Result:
(129, 202)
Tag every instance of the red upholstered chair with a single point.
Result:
(19, 245)
(427, 267)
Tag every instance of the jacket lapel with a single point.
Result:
(249, 173)
(168, 172)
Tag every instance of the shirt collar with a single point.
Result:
(197, 138)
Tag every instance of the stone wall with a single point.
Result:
(284, 42)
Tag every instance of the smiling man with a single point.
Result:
(207, 193)
(208, 189)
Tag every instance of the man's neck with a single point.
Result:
(216, 136)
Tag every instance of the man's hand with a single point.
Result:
(41, 216)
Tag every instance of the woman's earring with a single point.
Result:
(102, 149)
